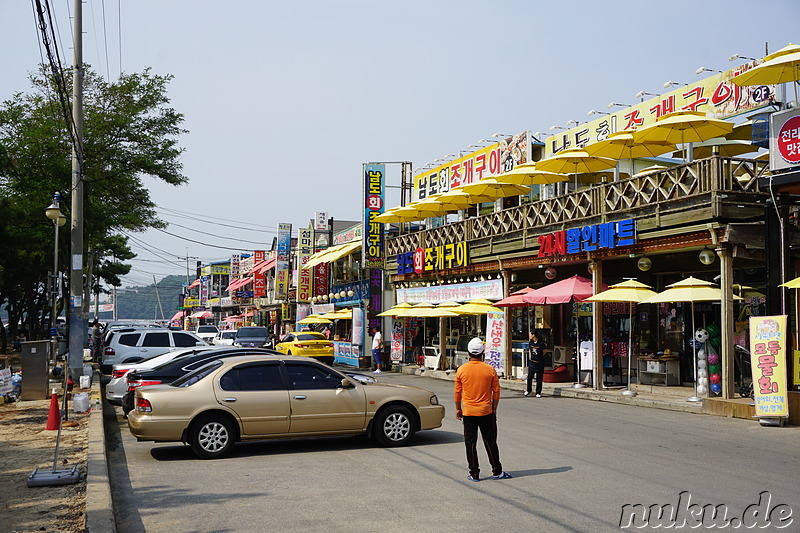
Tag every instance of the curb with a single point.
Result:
(99, 505)
(568, 392)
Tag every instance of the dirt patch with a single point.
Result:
(26, 444)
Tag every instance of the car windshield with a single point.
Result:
(228, 334)
(310, 337)
(193, 377)
(251, 332)
(207, 329)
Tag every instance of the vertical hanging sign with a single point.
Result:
(305, 247)
(372, 245)
(768, 339)
(282, 264)
(495, 335)
(259, 279)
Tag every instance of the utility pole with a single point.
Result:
(77, 317)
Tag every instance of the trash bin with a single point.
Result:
(35, 361)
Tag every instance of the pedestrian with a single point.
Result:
(97, 341)
(377, 348)
(328, 332)
(477, 393)
(417, 343)
(535, 364)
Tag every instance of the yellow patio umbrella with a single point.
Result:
(314, 319)
(621, 145)
(723, 147)
(450, 201)
(528, 174)
(632, 292)
(575, 161)
(780, 67)
(476, 307)
(492, 188)
(792, 284)
(457, 196)
(397, 310)
(741, 132)
(683, 127)
(426, 309)
(395, 215)
(690, 290)
(432, 207)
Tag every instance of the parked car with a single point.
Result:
(172, 370)
(248, 398)
(308, 344)
(130, 345)
(224, 337)
(207, 332)
(118, 384)
(252, 337)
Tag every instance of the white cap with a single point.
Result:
(476, 346)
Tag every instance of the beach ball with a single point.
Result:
(701, 335)
(701, 364)
(701, 354)
(714, 379)
(713, 359)
(716, 388)
(714, 369)
(702, 389)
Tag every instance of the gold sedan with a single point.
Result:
(251, 397)
(308, 344)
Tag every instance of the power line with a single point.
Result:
(201, 216)
(203, 243)
(217, 236)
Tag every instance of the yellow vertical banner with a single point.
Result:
(768, 338)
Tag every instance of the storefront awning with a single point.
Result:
(333, 253)
(238, 283)
(201, 314)
(194, 284)
(263, 266)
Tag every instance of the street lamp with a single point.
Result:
(53, 212)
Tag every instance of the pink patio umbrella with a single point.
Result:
(574, 289)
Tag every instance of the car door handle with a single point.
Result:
(229, 400)
(300, 397)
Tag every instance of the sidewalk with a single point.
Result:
(670, 398)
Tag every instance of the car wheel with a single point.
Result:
(394, 426)
(212, 437)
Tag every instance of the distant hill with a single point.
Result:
(142, 301)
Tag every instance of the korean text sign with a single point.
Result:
(768, 338)
(305, 247)
(372, 245)
(495, 345)
(282, 265)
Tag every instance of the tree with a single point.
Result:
(130, 133)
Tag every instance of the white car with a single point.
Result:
(224, 338)
(207, 332)
(118, 386)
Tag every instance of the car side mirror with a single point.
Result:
(346, 383)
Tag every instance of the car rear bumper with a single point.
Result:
(145, 427)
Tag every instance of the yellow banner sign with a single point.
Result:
(716, 96)
(768, 338)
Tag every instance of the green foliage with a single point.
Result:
(130, 133)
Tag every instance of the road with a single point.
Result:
(575, 464)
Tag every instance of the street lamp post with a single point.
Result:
(53, 212)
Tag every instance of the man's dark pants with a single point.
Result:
(538, 372)
(488, 428)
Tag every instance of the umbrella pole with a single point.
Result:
(694, 398)
(628, 391)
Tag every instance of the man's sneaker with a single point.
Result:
(377, 371)
(538, 395)
(502, 475)
(474, 478)
(527, 393)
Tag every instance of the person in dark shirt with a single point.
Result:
(535, 364)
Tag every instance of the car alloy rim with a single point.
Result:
(213, 437)
(396, 426)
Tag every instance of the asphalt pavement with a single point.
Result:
(575, 465)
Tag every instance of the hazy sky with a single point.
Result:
(284, 101)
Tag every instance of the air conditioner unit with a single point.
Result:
(560, 355)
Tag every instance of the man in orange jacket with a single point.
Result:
(477, 391)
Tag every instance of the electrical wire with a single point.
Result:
(213, 235)
(203, 243)
(199, 217)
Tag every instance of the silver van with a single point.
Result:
(130, 345)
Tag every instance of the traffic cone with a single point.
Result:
(54, 416)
